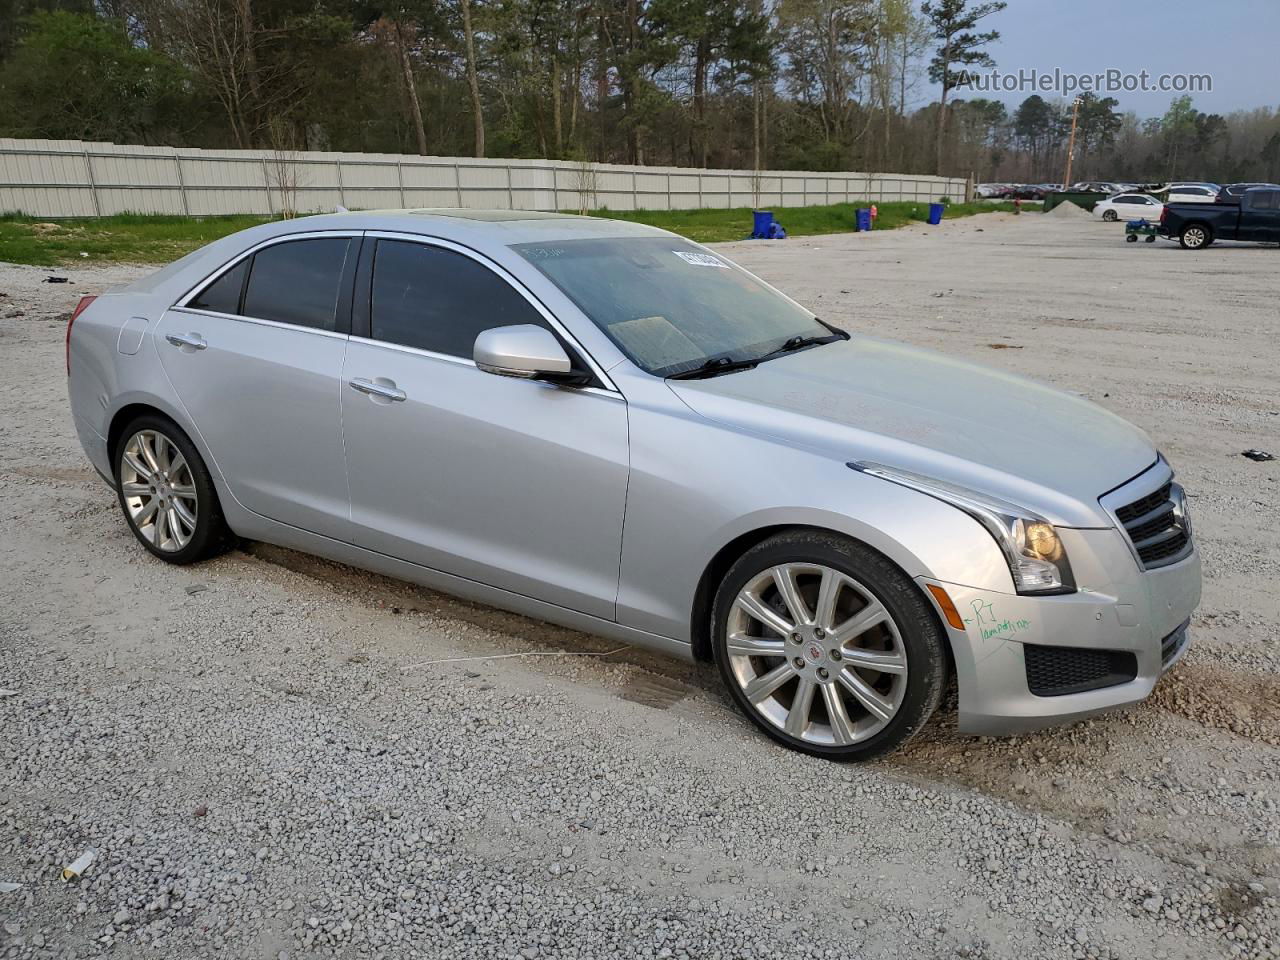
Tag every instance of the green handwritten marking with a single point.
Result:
(990, 626)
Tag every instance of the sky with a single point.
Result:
(1237, 42)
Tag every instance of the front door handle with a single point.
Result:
(192, 340)
(384, 391)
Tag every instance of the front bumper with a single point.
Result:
(1119, 607)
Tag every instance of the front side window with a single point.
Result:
(297, 282)
(438, 300)
(669, 305)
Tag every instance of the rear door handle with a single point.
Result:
(385, 391)
(192, 340)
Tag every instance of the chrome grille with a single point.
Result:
(1157, 527)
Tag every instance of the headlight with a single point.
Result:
(1037, 559)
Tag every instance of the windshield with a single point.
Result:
(668, 305)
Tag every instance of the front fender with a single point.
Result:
(696, 486)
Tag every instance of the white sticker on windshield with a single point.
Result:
(701, 259)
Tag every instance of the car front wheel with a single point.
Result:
(166, 492)
(827, 646)
(1110, 216)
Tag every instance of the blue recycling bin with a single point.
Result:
(935, 213)
(762, 224)
(863, 219)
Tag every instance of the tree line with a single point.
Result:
(1029, 144)
(746, 84)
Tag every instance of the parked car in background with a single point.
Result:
(993, 191)
(1232, 192)
(1197, 225)
(606, 426)
(1128, 206)
(1095, 186)
(1192, 193)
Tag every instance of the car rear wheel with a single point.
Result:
(1195, 236)
(827, 646)
(1110, 216)
(166, 492)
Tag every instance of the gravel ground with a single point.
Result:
(275, 756)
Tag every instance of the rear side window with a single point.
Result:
(298, 282)
(1264, 199)
(434, 299)
(223, 295)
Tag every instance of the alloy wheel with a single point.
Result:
(159, 491)
(1194, 237)
(816, 654)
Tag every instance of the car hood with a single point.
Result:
(869, 399)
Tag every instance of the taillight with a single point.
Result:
(80, 308)
(1164, 212)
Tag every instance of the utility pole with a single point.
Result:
(1071, 143)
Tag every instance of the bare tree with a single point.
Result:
(473, 83)
(586, 181)
(395, 35)
(210, 37)
(826, 42)
(283, 169)
(232, 55)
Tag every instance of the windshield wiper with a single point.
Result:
(799, 342)
(713, 368)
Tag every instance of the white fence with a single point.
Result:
(70, 178)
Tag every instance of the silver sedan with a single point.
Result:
(608, 427)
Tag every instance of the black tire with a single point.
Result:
(1131, 238)
(921, 634)
(1195, 236)
(1110, 216)
(211, 535)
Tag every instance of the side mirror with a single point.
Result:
(524, 350)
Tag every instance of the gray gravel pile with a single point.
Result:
(268, 765)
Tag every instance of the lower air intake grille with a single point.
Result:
(1058, 671)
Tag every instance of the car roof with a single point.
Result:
(495, 226)
(483, 230)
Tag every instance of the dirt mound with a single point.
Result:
(1245, 705)
(1069, 211)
